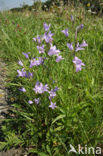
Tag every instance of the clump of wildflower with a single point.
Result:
(48, 37)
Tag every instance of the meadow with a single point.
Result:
(55, 80)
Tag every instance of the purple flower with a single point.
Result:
(35, 39)
(26, 55)
(29, 75)
(52, 105)
(40, 49)
(79, 27)
(20, 63)
(48, 37)
(22, 89)
(52, 93)
(65, 32)
(46, 26)
(30, 102)
(41, 60)
(45, 88)
(56, 88)
(70, 46)
(38, 39)
(80, 47)
(72, 18)
(84, 44)
(39, 88)
(78, 63)
(37, 101)
(21, 73)
(36, 62)
(53, 51)
(33, 62)
(59, 58)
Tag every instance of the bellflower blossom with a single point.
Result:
(36, 62)
(78, 28)
(70, 46)
(46, 26)
(53, 51)
(29, 75)
(78, 63)
(52, 93)
(38, 39)
(78, 48)
(20, 63)
(59, 58)
(22, 89)
(52, 105)
(65, 32)
(26, 54)
(48, 37)
(56, 88)
(81, 46)
(21, 73)
(39, 88)
(72, 18)
(45, 88)
(37, 101)
(40, 49)
(30, 102)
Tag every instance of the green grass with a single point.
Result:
(78, 117)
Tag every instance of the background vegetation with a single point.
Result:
(94, 6)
